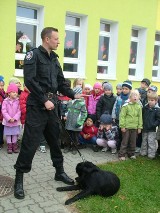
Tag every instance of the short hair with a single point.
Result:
(46, 32)
(134, 92)
(152, 96)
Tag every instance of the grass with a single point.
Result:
(139, 192)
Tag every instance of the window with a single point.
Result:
(107, 50)
(27, 27)
(137, 53)
(74, 51)
(156, 59)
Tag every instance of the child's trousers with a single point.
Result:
(148, 144)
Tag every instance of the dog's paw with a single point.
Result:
(68, 202)
(59, 189)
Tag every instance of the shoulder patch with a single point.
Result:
(29, 55)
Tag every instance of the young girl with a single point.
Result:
(11, 118)
(87, 91)
(94, 98)
(78, 82)
(2, 97)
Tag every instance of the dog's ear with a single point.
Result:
(89, 167)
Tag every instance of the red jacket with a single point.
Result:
(92, 130)
(23, 101)
(2, 97)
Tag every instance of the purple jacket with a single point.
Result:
(92, 102)
(11, 109)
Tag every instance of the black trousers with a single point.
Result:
(39, 122)
(1, 134)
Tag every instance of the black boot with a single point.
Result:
(62, 176)
(18, 186)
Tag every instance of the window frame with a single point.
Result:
(112, 55)
(156, 68)
(81, 60)
(34, 22)
(140, 58)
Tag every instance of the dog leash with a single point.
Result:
(84, 160)
(56, 103)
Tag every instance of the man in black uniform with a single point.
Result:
(43, 77)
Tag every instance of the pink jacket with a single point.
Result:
(92, 102)
(11, 109)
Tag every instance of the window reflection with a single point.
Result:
(26, 12)
(71, 44)
(132, 72)
(133, 52)
(70, 67)
(156, 55)
(72, 21)
(103, 48)
(102, 69)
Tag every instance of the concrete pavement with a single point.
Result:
(39, 185)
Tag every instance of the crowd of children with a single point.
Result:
(125, 122)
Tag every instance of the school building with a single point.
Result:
(111, 40)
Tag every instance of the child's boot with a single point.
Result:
(9, 148)
(15, 148)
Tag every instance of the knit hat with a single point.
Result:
(12, 88)
(106, 119)
(153, 88)
(1, 78)
(147, 81)
(77, 90)
(127, 84)
(107, 86)
(88, 86)
(14, 81)
(92, 117)
(119, 86)
(97, 85)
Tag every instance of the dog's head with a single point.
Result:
(85, 168)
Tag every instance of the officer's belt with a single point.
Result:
(51, 95)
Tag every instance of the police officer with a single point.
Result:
(43, 77)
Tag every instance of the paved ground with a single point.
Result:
(39, 185)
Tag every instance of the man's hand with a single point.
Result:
(139, 131)
(49, 105)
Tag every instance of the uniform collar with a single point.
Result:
(52, 55)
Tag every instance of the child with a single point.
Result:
(11, 118)
(94, 98)
(130, 122)
(62, 108)
(119, 89)
(78, 82)
(88, 135)
(106, 101)
(120, 101)
(151, 119)
(143, 90)
(2, 97)
(107, 134)
(87, 91)
(75, 118)
(17, 82)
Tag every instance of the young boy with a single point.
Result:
(151, 119)
(130, 122)
(107, 135)
(143, 90)
(120, 101)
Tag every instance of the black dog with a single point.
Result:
(92, 181)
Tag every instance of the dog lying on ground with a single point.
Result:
(92, 180)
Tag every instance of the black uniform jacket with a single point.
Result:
(43, 74)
